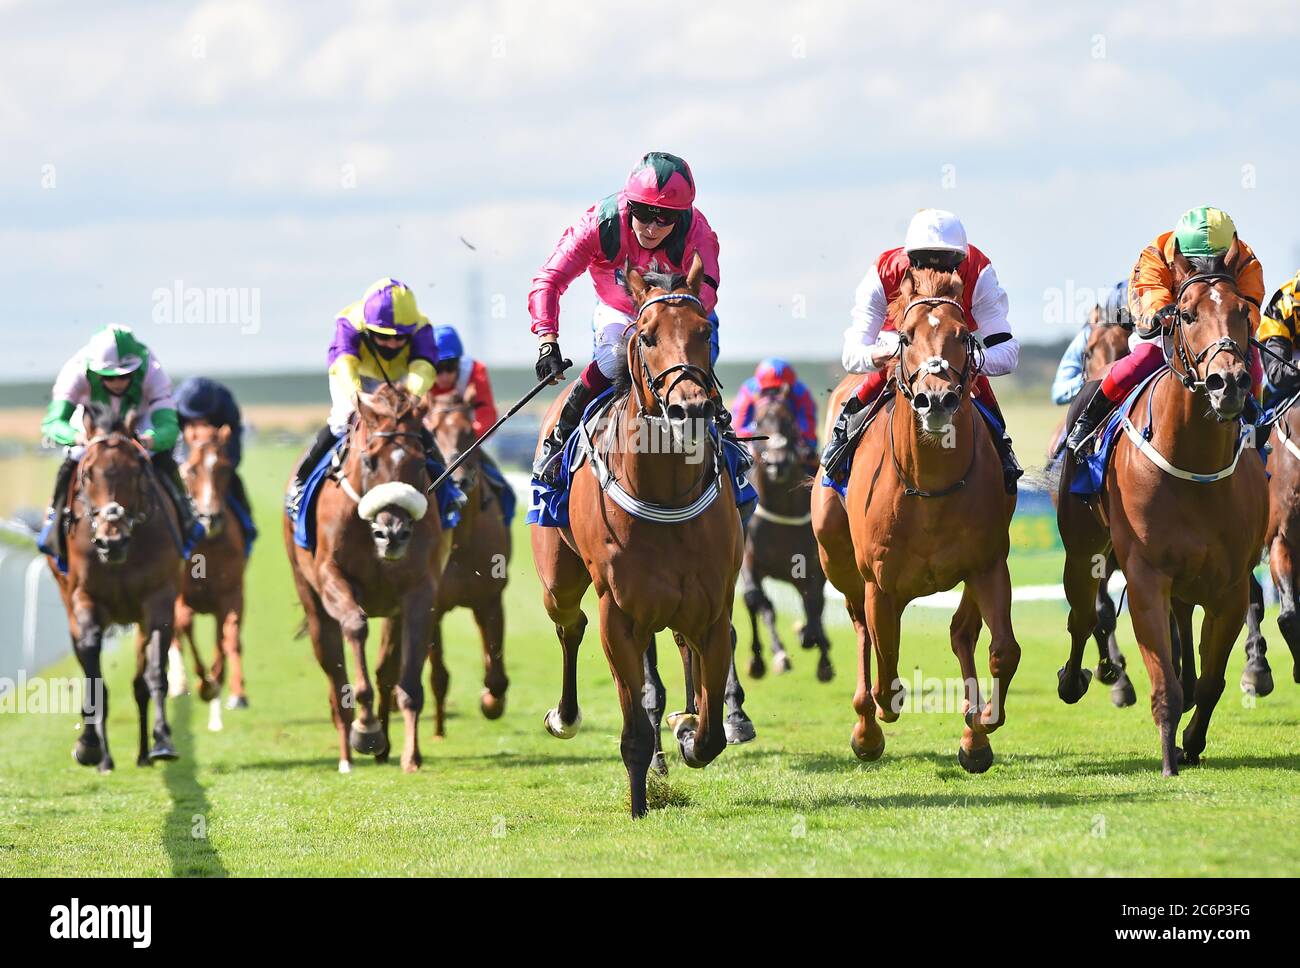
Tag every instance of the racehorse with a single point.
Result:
(1183, 505)
(212, 580)
(671, 561)
(379, 550)
(779, 541)
(925, 508)
(1283, 537)
(123, 558)
(475, 573)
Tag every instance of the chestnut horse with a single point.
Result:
(925, 509)
(475, 574)
(1185, 514)
(1283, 537)
(124, 561)
(212, 581)
(779, 541)
(672, 564)
(379, 550)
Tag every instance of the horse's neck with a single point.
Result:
(651, 467)
(1184, 430)
(930, 466)
(473, 501)
(783, 497)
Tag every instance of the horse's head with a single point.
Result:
(782, 455)
(207, 472)
(113, 489)
(937, 355)
(1212, 328)
(1107, 342)
(451, 421)
(668, 351)
(388, 448)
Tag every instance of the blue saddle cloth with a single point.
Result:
(245, 521)
(842, 489)
(505, 493)
(549, 506)
(449, 497)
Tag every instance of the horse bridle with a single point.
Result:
(343, 481)
(1189, 362)
(113, 512)
(706, 379)
(469, 477)
(936, 364)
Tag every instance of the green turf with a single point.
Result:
(1075, 790)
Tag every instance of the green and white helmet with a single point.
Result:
(114, 351)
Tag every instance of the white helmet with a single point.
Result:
(113, 352)
(934, 230)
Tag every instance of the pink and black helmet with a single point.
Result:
(661, 180)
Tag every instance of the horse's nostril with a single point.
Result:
(1243, 381)
(1215, 383)
(921, 401)
(676, 412)
(950, 401)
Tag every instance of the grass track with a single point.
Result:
(1075, 790)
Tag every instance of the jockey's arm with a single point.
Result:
(1069, 375)
(57, 425)
(805, 411)
(989, 306)
(706, 246)
(423, 353)
(485, 405)
(156, 400)
(742, 409)
(1278, 336)
(572, 255)
(866, 347)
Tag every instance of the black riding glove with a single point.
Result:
(550, 364)
(1281, 371)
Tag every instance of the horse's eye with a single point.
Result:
(371, 462)
(648, 339)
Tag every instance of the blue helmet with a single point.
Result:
(1114, 307)
(449, 345)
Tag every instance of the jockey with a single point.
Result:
(935, 240)
(457, 372)
(1113, 311)
(652, 225)
(115, 368)
(1203, 235)
(200, 400)
(1278, 332)
(381, 337)
(770, 377)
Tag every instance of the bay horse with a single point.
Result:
(1283, 536)
(779, 541)
(124, 558)
(925, 508)
(476, 572)
(1185, 513)
(379, 549)
(671, 564)
(212, 580)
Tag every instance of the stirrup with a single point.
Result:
(547, 466)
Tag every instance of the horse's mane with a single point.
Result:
(104, 420)
(388, 402)
(924, 282)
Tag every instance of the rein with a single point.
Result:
(340, 470)
(113, 511)
(1187, 376)
(1141, 440)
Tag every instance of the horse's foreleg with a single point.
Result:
(336, 596)
(92, 745)
(702, 737)
(974, 753)
(1182, 642)
(752, 593)
(327, 642)
(1283, 565)
(417, 609)
(767, 611)
(1257, 677)
(439, 677)
(386, 671)
(1112, 668)
(564, 579)
(738, 726)
(491, 621)
(182, 639)
(1083, 573)
(153, 642)
(867, 740)
(993, 594)
(812, 589)
(690, 674)
(626, 658)
(654, 699)
(1149, 604)
(882, 614)
(1219, 631)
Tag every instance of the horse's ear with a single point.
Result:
(130, 420)
(695, 275)
(364, 408)
(1181, 264)
(471, 396)
(1232, 256)
(223, 435)
(88, 422)
(635, 283)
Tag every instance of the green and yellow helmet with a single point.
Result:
(1204, 232)
(114, 351)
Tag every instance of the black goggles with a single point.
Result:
(653, 214)
(446, 366)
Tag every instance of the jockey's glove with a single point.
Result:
(550, 362)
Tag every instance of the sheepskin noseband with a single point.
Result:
(393, 494)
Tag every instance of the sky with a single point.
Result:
(225, 176)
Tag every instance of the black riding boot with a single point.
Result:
(1088, 421)
(835, 456)
(170, 477)
(325, 440)
(51, 540)
(547, 466)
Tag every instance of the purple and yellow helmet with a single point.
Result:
(389, 309)
(662, 180)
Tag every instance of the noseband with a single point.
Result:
(1190, 363)
(706, 379)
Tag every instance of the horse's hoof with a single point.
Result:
(1108, 672)
(382, 757)
(215, 725)
(106, 766)
(413, 764)
(558, 728)
(345, 767)
(867, 756)
(1071, 689)
(143, 760)
(977, 760)
(367, 741)
(738, 730)
(757, 668)
(209, 689)
(1188, 758)
(163, 750)
(1122, 694)
(805, 641)
(825, 671)
(491, 706)
(781, 663)
(237, 702)
(1257, 678)
(680, 721)
(659, 764)
(88, 754)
